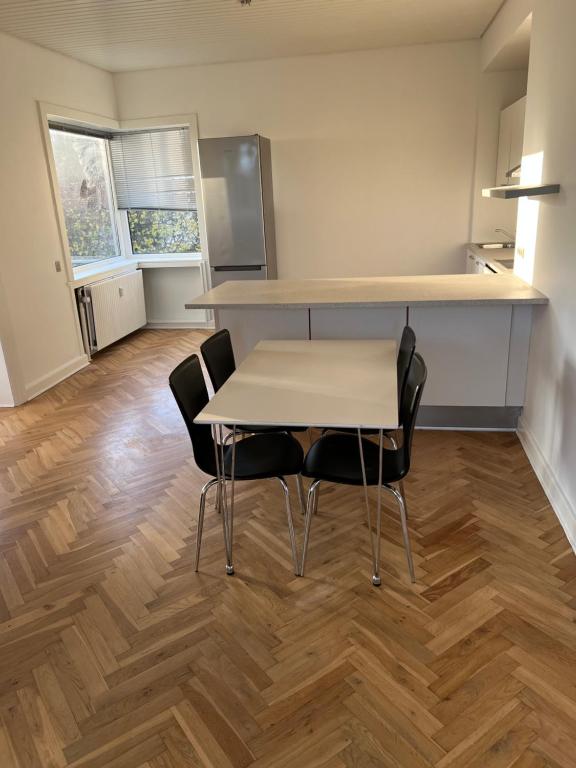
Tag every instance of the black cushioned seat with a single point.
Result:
(263, 456)
(335, 458)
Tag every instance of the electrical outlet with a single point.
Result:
(120, 292)
(58, 266)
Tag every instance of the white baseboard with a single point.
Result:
(561, 504)
(175, 326)
(35, 388)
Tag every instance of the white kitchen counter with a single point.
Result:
(473, 330)
(371, 292)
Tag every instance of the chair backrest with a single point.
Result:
(189, 390)
(405, 355)
(415, 381)
(218, 356)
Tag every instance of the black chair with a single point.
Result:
(336, 458)
(218, 355)
(258, 457)
(405, 355)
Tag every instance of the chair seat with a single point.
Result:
(264, 455)
(258, 429)
(335, 458)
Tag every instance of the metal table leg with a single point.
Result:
(375, 545)
(226, 509)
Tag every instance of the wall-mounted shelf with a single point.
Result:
(521, 190)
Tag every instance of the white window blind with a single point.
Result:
(153, 170)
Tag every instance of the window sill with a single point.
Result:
(101, 270)
(150, 261)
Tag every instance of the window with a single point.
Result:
(139, 184)
(163, 231)
(154, 181)
(84, 179)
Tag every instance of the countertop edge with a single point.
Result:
(366, 304)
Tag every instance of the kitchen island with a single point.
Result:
(473, 331)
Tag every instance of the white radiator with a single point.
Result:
(111, 309)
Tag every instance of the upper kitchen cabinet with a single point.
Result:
(510, 142)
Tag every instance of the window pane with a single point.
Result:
(84, 181)
(158, 231)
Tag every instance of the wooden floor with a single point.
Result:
(115, 654)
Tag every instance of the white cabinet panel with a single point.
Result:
(518, 113)
(118, 306)
(504, 142)
(470, 262)
(167, 290)
(466, 351)
(511, 141)
(385, 323)
(248, 326)
(519, 351)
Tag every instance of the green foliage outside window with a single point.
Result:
(83, 176)
(160, 231)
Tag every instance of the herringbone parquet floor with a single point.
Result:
(115, 653)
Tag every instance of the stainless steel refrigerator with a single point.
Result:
(239, 208)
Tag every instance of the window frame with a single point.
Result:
(86, 120)
(112, 260)
(105, 263)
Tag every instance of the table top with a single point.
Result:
(311, 383)
(409, 290)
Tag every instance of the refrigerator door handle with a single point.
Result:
(243, 268)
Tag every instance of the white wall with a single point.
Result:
(506, 23)
(373, 152)
(6, 398)
(549, 238)
(497, 90)
(41, 343)
(373, 156)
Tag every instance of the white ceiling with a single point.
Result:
(139, 34)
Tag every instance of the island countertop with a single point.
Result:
(412, 291)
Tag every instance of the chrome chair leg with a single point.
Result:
(291, 531)
(200, 525)
(316, 500)
(218, 499)
(310, 507)
(228, 437)
(230, 507)
(404, 518)
(401, 486)
(300, 486)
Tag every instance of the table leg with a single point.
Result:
(374, 545)
(230, 570)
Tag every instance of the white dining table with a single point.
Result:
(310, 383)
